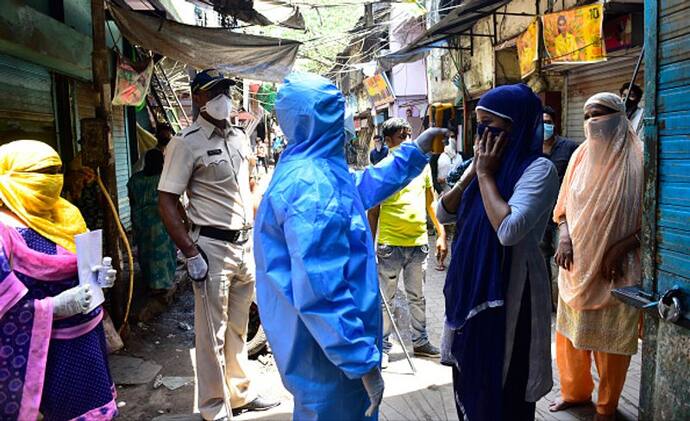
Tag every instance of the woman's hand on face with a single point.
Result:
(564, 254)
(612, 264)
(488, 150)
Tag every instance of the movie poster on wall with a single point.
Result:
(528, 47)
(575, 35)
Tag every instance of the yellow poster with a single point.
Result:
(575, 35)
(379, 89)
(527, 48)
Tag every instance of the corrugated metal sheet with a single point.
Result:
(673, 120)
(25, 86)
(122, 164)
(26, 109)
(587, 80)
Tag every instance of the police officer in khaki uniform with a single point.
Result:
(210, 162)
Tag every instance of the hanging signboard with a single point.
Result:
(132, 81)
(575, 35)
(528, 47)
(379, 89)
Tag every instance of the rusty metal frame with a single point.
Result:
(650, 206)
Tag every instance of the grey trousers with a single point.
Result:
(412, 262)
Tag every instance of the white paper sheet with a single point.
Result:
(90, 254)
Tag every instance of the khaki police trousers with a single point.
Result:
(228, 293)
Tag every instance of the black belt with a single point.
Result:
(230, 236)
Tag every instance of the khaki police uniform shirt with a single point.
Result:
(212, 167)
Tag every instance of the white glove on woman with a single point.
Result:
(106, 273)
(73, 301)
(373, 384)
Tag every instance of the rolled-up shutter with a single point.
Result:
(589, 79)
(26, 109)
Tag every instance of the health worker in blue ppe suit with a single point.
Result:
(317, 282)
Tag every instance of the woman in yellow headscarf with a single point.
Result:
(47, 329)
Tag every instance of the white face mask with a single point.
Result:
(219, 107)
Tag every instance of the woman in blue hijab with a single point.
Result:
(497, 329)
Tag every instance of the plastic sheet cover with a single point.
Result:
(247, 56)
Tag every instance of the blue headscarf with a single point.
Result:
(479, 270)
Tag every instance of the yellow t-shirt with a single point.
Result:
(402, 219)
(566, 47)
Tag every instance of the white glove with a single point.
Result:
(426, 139)
(373, 384)
(197, 268)
(106, 273)
(73, 301)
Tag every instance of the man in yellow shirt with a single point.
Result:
(403, 245)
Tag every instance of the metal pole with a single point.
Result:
(637, 69)
(101, 85)
(397, 332)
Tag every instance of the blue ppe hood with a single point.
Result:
(311, 113)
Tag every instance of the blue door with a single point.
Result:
(665, 389)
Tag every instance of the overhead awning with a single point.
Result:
(457, 22)
(258, 12)
(242, 55)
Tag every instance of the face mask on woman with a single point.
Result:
(602, 128)
(219, 107)
(481, 127)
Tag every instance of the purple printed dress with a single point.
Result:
(56, 367)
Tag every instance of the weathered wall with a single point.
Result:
(407, 79)
(480, 65)
(439, 76)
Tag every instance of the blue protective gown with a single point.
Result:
(317, 283)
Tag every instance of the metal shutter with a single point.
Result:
(673, 122)
(587, 80)
(26, 111)
(122, 164)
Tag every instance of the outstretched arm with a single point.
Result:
(376, 183)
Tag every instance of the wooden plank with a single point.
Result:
(674, 171)
(674, 240)
(673, 100)
(674, 74)
(674, 24)
(674, 194)
(674, 123)
(674, 50)
(675, 147)
(673, 263)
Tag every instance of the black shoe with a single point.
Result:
(427, 350)
(258, 404)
